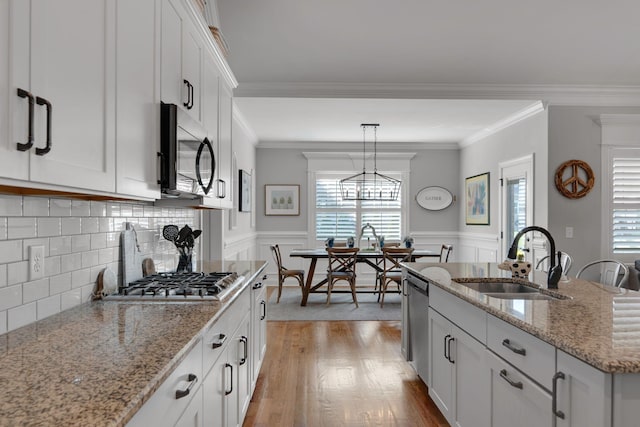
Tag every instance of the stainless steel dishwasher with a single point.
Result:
(418, 290)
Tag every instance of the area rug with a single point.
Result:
(341, 307)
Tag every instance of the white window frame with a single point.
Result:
(346, 162)
(620, 134)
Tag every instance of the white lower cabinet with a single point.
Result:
(258, 330)
(193, 415)
(458, 374)
(583, 394)
(515, 399)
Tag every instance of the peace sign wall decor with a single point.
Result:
(574, 179)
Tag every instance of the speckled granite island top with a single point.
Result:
(597, 324)
(96, 364)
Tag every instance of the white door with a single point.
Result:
(516, 203)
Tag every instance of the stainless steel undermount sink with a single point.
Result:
(510, 290)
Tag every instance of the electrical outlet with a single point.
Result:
(36, 262)
(568, 232)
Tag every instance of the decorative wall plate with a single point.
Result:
(434, 198)
(574, 179)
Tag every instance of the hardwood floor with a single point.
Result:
(338, 373)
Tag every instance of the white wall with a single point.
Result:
(481, 242)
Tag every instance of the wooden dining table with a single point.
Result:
(373, 258)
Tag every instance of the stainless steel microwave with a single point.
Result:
(186, 155)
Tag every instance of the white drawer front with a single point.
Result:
(531, 355)
(164, 407)
(466, 316)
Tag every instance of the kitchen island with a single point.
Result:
(545, 347)
(98, 363)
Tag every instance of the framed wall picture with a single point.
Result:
(244, 199)
(476, 194)
(281, 199)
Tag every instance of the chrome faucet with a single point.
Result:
(367, 225)
(555, 271)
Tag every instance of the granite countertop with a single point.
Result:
(597, 324)
(96, 364)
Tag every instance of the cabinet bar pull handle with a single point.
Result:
(182, 393)
(186, 104)
(554, 395)
(190, 96)
(221, 189)
(25, 94)
(228, 392)
(444, 346)
(47, 104)
(245, 342)
(220, 342)
(449, 350)
(257, 285)
(161, 164)
(264, 310)
(503, 374)
(518, 350)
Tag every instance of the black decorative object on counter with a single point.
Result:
(184, 240)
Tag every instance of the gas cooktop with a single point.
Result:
(173, 286)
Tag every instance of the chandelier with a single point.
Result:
(370, 185)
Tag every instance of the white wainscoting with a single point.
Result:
(476, 247)
(242, 247)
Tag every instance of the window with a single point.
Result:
(344, 218)
(625, 201)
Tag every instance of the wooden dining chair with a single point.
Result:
(342, 266)
(445, 251)
(391, 269)
(284, 273)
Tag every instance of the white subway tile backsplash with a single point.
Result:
(10, 251)
(34, 242)
(60, 283)
(80, 277)
(70, 226)
(3, 275)
(17, 272)
(105, 225)
(48, 306)
(86, 293)
(90, 259)
(113, 239)
(70, 262)
(35, 206)
(60, 207)
(70, 299)
(126, 210)
(99, 241)
(49, 227)
(81, 243)
(89, 225)
(138, 211)
(60, 245)
(10, 205)
(21, 228)
(80, 208)
(3, 228)
(52, 265)
(106, 255)
(33, 291)
(3, 322)
(98, 208)
(11, 296)
(21, 316)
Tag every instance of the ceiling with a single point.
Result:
(314, 70)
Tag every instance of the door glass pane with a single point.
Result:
(516, 208)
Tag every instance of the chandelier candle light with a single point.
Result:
(370, 185)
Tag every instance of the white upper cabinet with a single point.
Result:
(60, 84)
(226, 145)
(138, 98)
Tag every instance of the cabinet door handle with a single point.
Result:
(191, 96)
(517, 350)
(554, 395)
(449, 350)
(49, 107)
(25, 94)
(257, 285)
(264, 309)
(228, 392)
(245, 342)
(444, 346)
(186, 104)
(182, 393)
(161, 166)
(221, 189)
(220, 341)
(503, 374)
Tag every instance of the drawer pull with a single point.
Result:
(451, 339)
(220, 342)
(245, 342)
(511, 347)
(554, 395)
(228, 392)
(263, 304)
(182, 393)
(503, 374)
(444, 346)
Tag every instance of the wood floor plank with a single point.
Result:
(338, 373)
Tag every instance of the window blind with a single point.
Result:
(626, 205)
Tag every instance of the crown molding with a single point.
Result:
(523, 114)
(239, 118)
(569, 95)
(350, 146)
